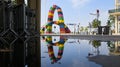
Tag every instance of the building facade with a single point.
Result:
(115, 49)
(116, 13)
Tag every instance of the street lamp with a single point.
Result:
(97, 14)
(74, 28)
(54, 28)
(90, 26)
(78, 28)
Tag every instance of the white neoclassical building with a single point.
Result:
(116, 13)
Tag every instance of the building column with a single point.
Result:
(116, 25)
(116, 46)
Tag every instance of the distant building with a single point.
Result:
(116, 13)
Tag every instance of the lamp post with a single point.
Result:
(90, 26)
(54, 29)
(96, 14)
(74, 28)
(78, 28)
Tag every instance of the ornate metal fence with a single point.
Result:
(17, 25)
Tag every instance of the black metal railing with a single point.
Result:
(17, 26)
(18, 19)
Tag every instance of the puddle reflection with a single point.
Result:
(78, 52)
(59, 44)
(114, 48)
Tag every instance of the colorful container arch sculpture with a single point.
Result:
(60, 22)
(60, 44)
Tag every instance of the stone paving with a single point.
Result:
(87, 37)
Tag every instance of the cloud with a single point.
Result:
(79, 3)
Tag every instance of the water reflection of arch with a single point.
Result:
(51, 53)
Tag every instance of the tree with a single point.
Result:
(111, 46)
(81, 28)
(86, 28)
(111, 21)
(14, 2)
(96, 23)
(96, 43)
(108, 23)
(111, 18)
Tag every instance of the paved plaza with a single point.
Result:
(88, 37)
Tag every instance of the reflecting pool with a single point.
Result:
(59, 51)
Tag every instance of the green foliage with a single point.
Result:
(108, 23)
(111, 46)
(86, 28)
(81, 28)
(14, 2)
(111, 21)
(112, 18)
(96, 43)
(96, 23)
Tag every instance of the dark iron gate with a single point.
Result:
(17, 27)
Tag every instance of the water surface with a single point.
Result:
(58, 51)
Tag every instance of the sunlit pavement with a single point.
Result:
(89, 37)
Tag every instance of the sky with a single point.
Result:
(78, 11)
